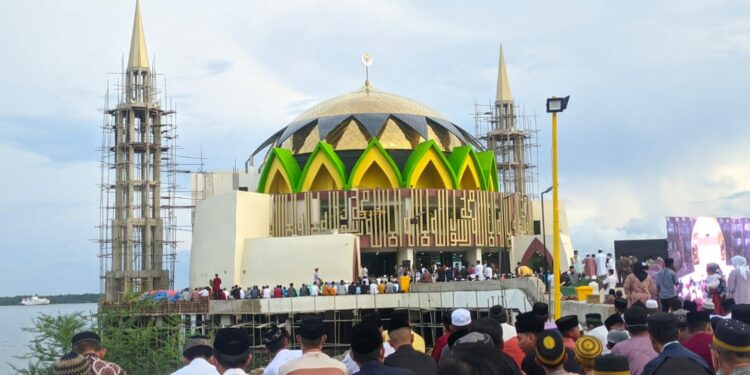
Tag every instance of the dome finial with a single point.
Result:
(367, 61)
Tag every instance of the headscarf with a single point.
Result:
(639, 272)
(740, 264)
(713, 267)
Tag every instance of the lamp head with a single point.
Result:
(555, 105)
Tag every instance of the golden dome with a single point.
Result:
(368, 100)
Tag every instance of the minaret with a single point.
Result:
(503, 97)
(505, 138)
(136, 147)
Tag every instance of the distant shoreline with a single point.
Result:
(55, 299)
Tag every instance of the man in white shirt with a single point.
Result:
(601, 263)
(364, 272)
(197, 355)
(479, 271)
(315, 290)
(316, 277)
(373, 288)
(266, 292)
(374, 319)
(276, 341)
(487, 272)
(610, 282)
(498, 313)
(232, 351)
(596, 329)
(311, 337)
(204, 293)
(242, 293)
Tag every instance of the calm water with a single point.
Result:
(13, 341)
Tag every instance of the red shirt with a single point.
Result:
(217, 283)
(512, 349)
(698, 344)
(441, 342)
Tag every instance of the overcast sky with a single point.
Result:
(655, 125)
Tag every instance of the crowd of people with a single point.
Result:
(365, 284)
(636, 340)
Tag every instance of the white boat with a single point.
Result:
(34, 300)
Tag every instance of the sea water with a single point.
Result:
(14, 341)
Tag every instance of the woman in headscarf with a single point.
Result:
(638, 285)
(738, 284)
(714, 286)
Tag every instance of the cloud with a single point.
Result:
(654, 128)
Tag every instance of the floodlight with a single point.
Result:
(555, 105)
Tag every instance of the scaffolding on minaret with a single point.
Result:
(505, 128)
(138, 188)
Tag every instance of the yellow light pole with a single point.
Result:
(555, 105)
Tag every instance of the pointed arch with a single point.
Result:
(427, 167)
(488, 165)
(280, 173)
(469, 175)
(375, 169)
(324, 170)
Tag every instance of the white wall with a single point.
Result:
(222, 223)
(284, 260)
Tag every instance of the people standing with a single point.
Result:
(569, 329)
(575, 262)
(601, 263)
(89, 345)
(442, 341)
(401, 338)
(701, 335)
(596, 329)
(673, 358)
(276, 341)
(666, 282)
(589, 266)
(610, 283)
(479, 271)
(715, 286)
(311, 337)
(550, 353)
(738, 285)
(530, 327)
(624, 268)
(587, 348)
(216, 286)
(637, 285)
(198, 356)
(232, 351)
(731, 343)
(637, 349)
(316, 277)
(367, 350)
(499, 314)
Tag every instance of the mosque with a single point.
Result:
(367, 178)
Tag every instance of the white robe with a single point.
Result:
(601, 264)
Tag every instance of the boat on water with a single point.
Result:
(34, 300)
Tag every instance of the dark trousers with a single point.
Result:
(665, 303)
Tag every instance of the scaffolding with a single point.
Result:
(511, 133)
(138, 185)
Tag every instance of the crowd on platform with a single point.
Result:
(365, 284)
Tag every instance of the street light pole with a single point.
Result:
(555, 105)
(555, 219)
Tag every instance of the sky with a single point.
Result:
(655, 126)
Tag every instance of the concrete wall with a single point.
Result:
(222, 223)
(284, 260)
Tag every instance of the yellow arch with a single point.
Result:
(430, 172)
(373, 170)
(321, 174)
(468, 176)
(278, 180)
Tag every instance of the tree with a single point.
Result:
(52, 337)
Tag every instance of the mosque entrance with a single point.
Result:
(379, 263)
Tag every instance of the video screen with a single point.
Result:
(694, 242)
